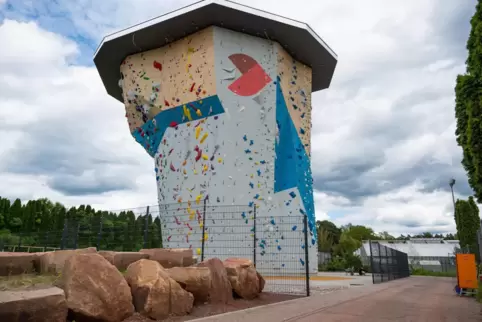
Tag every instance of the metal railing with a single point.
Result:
(278, 246)
(387, 264)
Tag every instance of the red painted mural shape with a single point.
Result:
(253, 78)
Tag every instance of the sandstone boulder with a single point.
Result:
(168, 258)
(122, 260)
(95, 290)
(16, 263)
(220, 290)
(262, 282)
(53, 262)
(243, 277)
(155, 294)
(195, 280)
(46, 305)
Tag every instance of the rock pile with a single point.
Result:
(94, 289)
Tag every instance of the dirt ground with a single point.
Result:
(210, 310)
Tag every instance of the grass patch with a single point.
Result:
(28, 281)
(478, 296)
(424, 272)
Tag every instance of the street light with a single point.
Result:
(452, 183)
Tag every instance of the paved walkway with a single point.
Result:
(414, 299)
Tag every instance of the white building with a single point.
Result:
(433, 254)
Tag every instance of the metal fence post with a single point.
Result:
(19, 242)
(307, 262)
(254, 237)
(76, 237)
(381, 263)
(204, 229)
(46, 241)
(372, 268)
(64, 234)
(146, 227)
(99, 234)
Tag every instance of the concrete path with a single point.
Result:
(414, 299)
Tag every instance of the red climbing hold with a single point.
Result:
(192, 87)
(173, 124)
(172, 167)
(199, 154)
(166, 103)
(157, 65)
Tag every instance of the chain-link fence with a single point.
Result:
(278, 246)
(387, 264)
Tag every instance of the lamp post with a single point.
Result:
(452, 183)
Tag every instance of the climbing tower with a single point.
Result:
(219, 95)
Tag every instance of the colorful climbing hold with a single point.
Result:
(157, 65)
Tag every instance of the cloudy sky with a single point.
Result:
(383, 133)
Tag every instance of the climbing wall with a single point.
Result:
(226, 116)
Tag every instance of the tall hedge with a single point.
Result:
(467, 221)
(468, 106)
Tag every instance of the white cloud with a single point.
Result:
(41, 93)
(406, 210)
(383, 134)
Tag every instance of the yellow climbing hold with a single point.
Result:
(220, 160)
(205, 157)
(198, 251)
(198, 198)
(195, 172)
(198, 132)
(184, 170)
(187, 113)
(205, 136)
(198, 112)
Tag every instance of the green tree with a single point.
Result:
(359, 232)
(325, 241)
(468, 106)
(331, 229)
(467, 222)
(386, 236)
(347, 244)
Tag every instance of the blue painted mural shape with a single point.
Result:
(292, 165)
(151, 133)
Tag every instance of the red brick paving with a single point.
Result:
(415, 299)
(420, 299)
